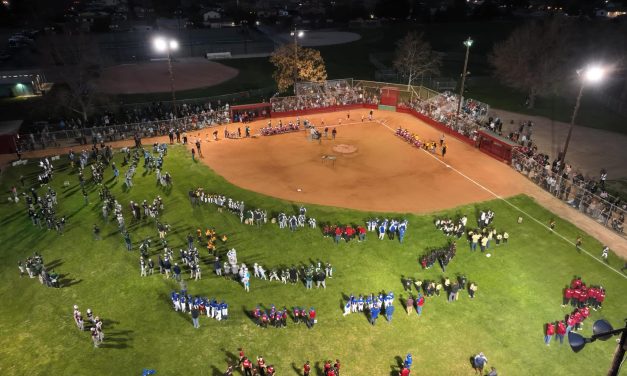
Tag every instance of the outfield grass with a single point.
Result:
(254, 73)
(519, 290)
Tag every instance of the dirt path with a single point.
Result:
(589, 150)
(384, 174)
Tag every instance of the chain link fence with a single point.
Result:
(579, 193)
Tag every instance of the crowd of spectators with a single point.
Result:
(154, 119)
(584, 193)
(443, 109)
(313, 95)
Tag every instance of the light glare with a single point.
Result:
(594, 74)
(160, 44)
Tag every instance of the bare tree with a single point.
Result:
(536, 58)
(75, 61)
(414, 57)
(303, 64)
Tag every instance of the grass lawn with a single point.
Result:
(519, 290)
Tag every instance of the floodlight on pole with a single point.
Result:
(296, 34)
(603, 331)
(162, 45)
(468, 43)
(592, 74)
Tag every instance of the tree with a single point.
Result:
(76, 63)
(307, 66)
(414, 57)
(536, 58)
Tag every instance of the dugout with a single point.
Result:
(388, 96)
(249, 112)
(9, 136)
(497, 146)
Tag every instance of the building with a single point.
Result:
(21, 83)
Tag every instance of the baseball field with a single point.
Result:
(519, 286)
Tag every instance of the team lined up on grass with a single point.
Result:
(250, 216)
(432, 288)
(34, 267)
(196, 306)
(442, 255)
(293, 274)
(582, 297)
(278, 317)
(373, 305)
(97, 335)
(248, 367)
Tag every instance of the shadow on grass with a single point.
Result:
(117, 339)
(54, 264)
(230, 357)
(295, 368)
(249, 315)
(215, 371)
(11, 218)
(68, 282)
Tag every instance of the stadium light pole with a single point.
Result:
(162, 45)
(296, 34)
(468, 43)
(603, 330)
(592, 74)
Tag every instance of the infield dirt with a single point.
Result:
(385, 174)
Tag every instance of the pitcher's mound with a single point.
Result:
(345, 149)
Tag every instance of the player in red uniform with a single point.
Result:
(337, 367)
(550, 330)
(571, 322)
(575, 297)
(568, 294)
(599, 299)
(270, 370)
(261, 365)
(312, 318)
(247, 365)
(583, 296)
(327, 366)
(241, 357)
(560, 332)
(306, 369)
